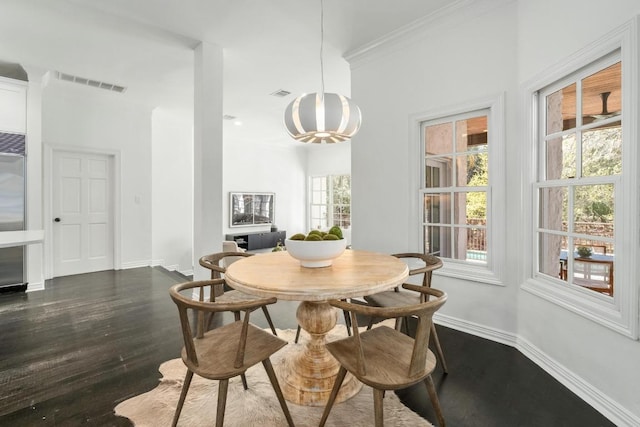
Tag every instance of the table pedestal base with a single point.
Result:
(308, 376)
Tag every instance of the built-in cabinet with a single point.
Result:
(258, 240)
(13, 106)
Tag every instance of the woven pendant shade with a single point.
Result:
(317, 119)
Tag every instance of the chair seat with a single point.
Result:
(383, 370)
(393, 299)
(218, 348)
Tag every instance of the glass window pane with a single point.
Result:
(471, 133)
(470, 207)
(439, 139)
(551, 254)
(561, 157)
(594, 210)
(561, 109)
(602, 150)
(437, 208)
(473, 170)
(602, 95)
(437, 241)
(470, 244)
(439, 172)
(554, 202)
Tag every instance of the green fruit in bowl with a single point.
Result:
(313, 238)
(298, 236)
(330, 237)
(336, 231)
(318, 232)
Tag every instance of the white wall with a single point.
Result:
(604, 360)
(265, 168)
(491, 47)
(86, 119)
(457, 62)
(172, 189)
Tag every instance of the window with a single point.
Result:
(455, 187)
(580, 164)
(581, 207)
(330, 201)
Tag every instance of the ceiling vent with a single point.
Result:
(88, 82)
(281, 93)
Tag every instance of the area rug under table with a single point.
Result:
(257, 406)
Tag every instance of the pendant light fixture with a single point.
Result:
(322, 117)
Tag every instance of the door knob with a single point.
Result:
(56, 219)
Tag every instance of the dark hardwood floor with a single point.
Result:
(71, 353)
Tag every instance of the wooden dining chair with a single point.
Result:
(385, 358)
(218, 264)
(397, 297)
(227, 351)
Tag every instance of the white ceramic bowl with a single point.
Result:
(314, 254)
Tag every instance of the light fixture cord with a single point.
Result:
(321, 48)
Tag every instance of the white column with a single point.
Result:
(207, 155)
(34, 196)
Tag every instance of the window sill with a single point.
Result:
(599, 308)
(480, 274)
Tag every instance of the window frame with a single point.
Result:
(493, 271)
(619, 313)
(330, 202)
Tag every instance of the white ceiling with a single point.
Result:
(147, 46)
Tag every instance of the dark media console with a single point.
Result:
(258, 240)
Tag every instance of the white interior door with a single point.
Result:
(82, 207)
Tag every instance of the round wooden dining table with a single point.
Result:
(307, 375)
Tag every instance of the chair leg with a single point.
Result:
(276, 387)
(347, 321)
(266, 314)
(223, 386)
(439, 352)
(297, 335)
(332, 397)
(434, 400)
(243, 377)
(406, 326)
(183, 395)
(370, 324)
(378, 395)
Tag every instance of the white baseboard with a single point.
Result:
(37, 286)
(135, 264)
(604, 404)
(156, 262)
(186, 272)
(476, 329)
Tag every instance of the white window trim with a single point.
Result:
(619, 313)
(494, 271)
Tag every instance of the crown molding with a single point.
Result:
(452, 14)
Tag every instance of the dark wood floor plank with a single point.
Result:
(71, 353)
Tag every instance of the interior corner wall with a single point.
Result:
(604, 360)
(87, 120)
(257, 167)
(454, 63)
(172, 190)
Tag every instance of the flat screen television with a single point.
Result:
(249, 209)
